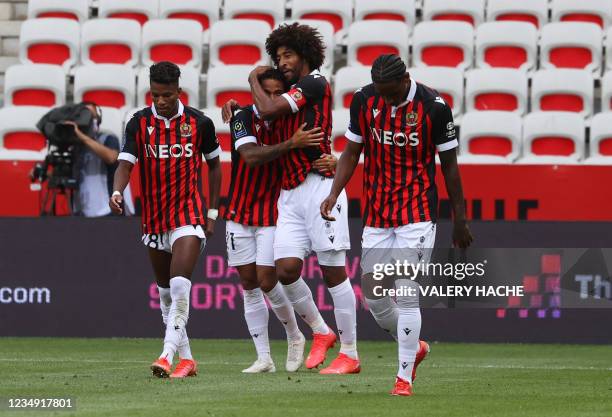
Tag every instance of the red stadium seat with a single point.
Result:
(469, 11)
(600, 143)
(340, 119)
(18, 130)
(493, 136)
(34, 85)
(506, 45)
(110, 41)
(563, 90)
(338, 13)
(138, 10)
(228, 82)
(496, 89)
(532, 11)
(204, 12)
(49, 41)
(238, 42)
(347, 81)
(106, 85)
(571, 45)
(395, 10)
(174, 40)
(446, 44)
(269, 11)
(553, 146)
(598, 12)
(553, 137)
(366, 41)
(65, 9)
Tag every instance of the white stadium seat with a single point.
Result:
(606, 92)
(608, 46)
(238, 42)
(18, 132)
(112, 121)
(499, 89)
(469, 11)
(326, 30)
(447, 81)
(600, 144)
(175, 40)
(34, 85)
(189, 83)
(107, 85)
(49, 41)
(269, 11)
(222, 130)
(553, 138)
(67, 9)
(368, 39)
(532, 11)
(346, 82)
(204, 12)
(139, 10)
(507, 45)
(111, 41)
(400, 10)
(592, 11)
(568, 90)
(491, 137)
(571, 45)
(446, 44)
(340, 122)
(224, 83)
(338, 12)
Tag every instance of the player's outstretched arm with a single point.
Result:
(462, 237)
(344, 171)
(269, 107)
(214, 192)
(255, 155)
(120, 181)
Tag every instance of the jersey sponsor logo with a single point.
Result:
(150, 129)
(398, 139)
(185, 130)
(239, 129)
(169, 151)
(412, 119)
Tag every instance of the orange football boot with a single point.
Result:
(343, 364)
(161, 368)
(420, 355)
(321, 343)
(185, 368)
(402, 387)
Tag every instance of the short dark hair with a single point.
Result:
(274, 74)
(388, 67)
(164, 72)
(305, 40)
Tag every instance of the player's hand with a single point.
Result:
(326, 207)
(326, 163)
(115, 204)
(227, 111)
(305, 138)
(257, 71)
(210, 228)
(77, 130)
(462, 237)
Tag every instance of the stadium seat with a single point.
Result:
(567, 90)
(269, 11)
(491, 137)
(112, 121)
(327, 32)
(139, 10)
(531, 11)
(49, 41)
(553, 138)
(368, 39)
(600, 144)
(606, 92)
(107, 85)
(204, 12)
(447, 81)
(189, 82)
(608, 47)
(346, 82)
(222, 130)
(110, 41)
(238, 42)
(224, 83)
(18, 132)
(443, 44)
(500, 89)
(339, 12)
(67, 9)
(340, 122)
(469, 11)
(175, 40)
(571, 45)
(34, 85)
(591, 11)
(399, 10)
(506, 45)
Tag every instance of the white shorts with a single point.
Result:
(248, 244)
(301, 229)
(164, 241)
(413, 242)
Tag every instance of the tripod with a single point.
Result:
(49, 204)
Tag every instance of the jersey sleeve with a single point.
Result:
(210, 144)
(310, 88)
(242, 129)
(354, 132)
(129, 152)
(443, 129)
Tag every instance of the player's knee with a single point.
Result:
(288, 272)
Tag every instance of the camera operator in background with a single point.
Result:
(95, 166)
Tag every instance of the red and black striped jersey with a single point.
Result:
(169, 152)
(253, 191)
(311, 102)
(399, 145)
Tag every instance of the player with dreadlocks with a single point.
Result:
(400, 124)
(298, 52)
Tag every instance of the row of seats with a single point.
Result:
(338, 12)
(502, 89)
(491, 137)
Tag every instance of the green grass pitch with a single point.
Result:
(111, 377)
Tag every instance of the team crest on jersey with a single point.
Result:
(185, 130)
(297, 96)
(412, 119)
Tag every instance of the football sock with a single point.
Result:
(385, 312)
(301, 298)
(284, 311)
(408, 330)
(165, 300)
(256, 316)
(346, 317)
(180, 288)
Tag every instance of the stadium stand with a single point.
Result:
(446, 44)
(228, 82)
(340, 122)
(34, 85)
(571, 45)
(398, 10)
(270, 11)
(139, 10)
(592, 11)
(469, 11)
(111, 41)
(447, 81)
(179, 41)
(66, 9)
(491, 137)
(107, 85)
(339, 13)
(204, 12)
(496, 89)
(532, 11)
(553, 138)
(347, 81)
(112, 121)
(238, 42)
(606, 92)
(507, 44)
(600, 145)
(563, 90)
(18, 132)
(49, 41)
(366, 41)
